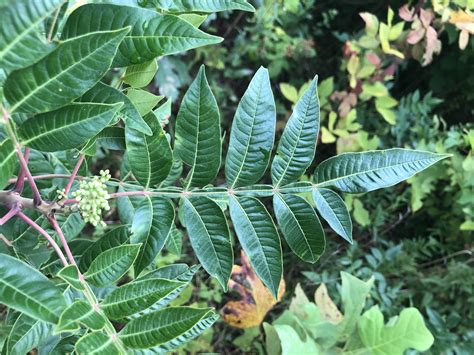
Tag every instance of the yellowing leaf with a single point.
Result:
(256, 300)
(290, 92)
(327, 309)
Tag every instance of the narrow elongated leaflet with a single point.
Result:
(106, 94)
(68, 127)
(97, 343)
(259, 239)
(202, 6)
(150, 157)
(79, 64)
(26, 334)
(297, 145)
(20, 36)
(28, 291)
(253, 133)
(79, 313)
(138, 296)
(210, 237)
(164, 326)
(334, 210)
(368, 171)
(151, 227)
(152, 34)
(198, 132)
(300, 226)
(7, 161)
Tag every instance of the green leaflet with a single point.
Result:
(20, 40)
(112, 138)
(68, 127)
(102, 93)
(96, 343)
(7, 161)
(300, 226)
(28, 291)
(144, 101)
(297, 145)
(150, 157)
(152, 34)
(204, 6)
(334, 211)
(111, 265)
(253, 133)
(79, 64)
(71, 276)
(80, 313)
(210, 237)
(408, 330)
(368, 171)
(116, 237)
(198, 132)
(170, 325)
(140, 75)
(138, 296)
(151, 227)
(26, 334)
(259, 239)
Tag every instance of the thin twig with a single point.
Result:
(60, 233)
(24, 166)
(44, 234)
(47, 176)
(20, 182)
(74, 174)
(11, 213)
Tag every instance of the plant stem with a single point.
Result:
(11, 213)
(20, 182)
(47, 176)
(57, 228)
(74, 174)
(24, 166)
(45, 234)
(129, 193)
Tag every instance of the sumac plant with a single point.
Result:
(63, 107)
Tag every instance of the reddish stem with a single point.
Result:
(44, 234)
(13, 211)
(70, 201)
(20, 182)
(58, 230)
(74, 173)
(24, 166)
(47, 176)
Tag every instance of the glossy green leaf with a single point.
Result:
(300, 226)
(70, 274)
(297, 145)
(140, 75)
(205, 6)
(253, 133)
(111, 265)
(334, 211)
(116, 237)
(144, 101)
(7, 161)
(150, 157)
(21, 42)
(151, 227)
(169, 325)
(79, 63)
(80, 313)
(259, 239)
(174, 244)
(68, 127)
(102, 93)
(28, 291)
(112, 138)
(152, 34)
(210, 237)
(26, 334)
(368, 171)
(96, 343)
(198, 132)
(407, 331)
(138, 296)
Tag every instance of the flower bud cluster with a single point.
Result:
(92, 198)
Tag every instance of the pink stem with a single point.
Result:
(13, 211)
(31, 181)
(20, 182)
(70, 201)
(44, 234)
(129, 193)
(47, 176)
(74, 173)
(58, 230)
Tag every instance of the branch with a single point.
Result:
(13, 211)
(58, 230)
(74, 174)
(10, 199)
(20, 182)
(24, 168)
(47, 176)
(44, 234)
